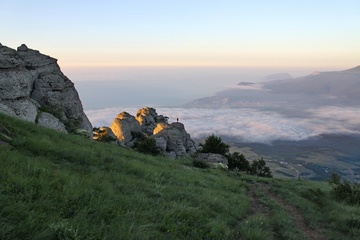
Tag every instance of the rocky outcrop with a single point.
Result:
(124, 127)
(212, 158)
(149, 119)
(32, 83)
(178, 141)
(172, 139)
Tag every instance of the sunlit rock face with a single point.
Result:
(172, 139)
(31, 82)
(124, 126)
(146, 117)
(149, 119)
(160, 127)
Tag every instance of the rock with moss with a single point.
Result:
(30, 80)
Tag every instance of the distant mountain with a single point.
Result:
(281, 90)
(336, 84)
(276, 76)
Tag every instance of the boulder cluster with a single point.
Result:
(33, 88)
(171, 138)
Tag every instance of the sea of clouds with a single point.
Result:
(249, 124)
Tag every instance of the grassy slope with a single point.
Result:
(58, 186)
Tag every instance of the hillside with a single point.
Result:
(61, 186)
(344, 85)
(279, 91)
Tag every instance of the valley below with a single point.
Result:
(311, 159)
(304, 127)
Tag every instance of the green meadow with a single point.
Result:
(64, 186)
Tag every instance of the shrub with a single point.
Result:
(148, 146)
(315, 195)
(237, 161)
(343, 190)
(56, 110)
(72, 125)
(200, 163)
(334, 178)
(221, 166)
(259, 168)
(214, 144)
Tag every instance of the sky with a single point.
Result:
(259, 33)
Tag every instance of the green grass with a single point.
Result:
(62, 186)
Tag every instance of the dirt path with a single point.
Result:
(255, 208)
(308, 232)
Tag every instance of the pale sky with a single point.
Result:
(256, 33)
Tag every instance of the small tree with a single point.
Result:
(237, 161)
(258, 167)
(214, 144)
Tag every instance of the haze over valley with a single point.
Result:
(306, 119)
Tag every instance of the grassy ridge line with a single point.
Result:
(61, 186)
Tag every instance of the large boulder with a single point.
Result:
(177, 139)
(29, 78)
(212, 158)
(23, 108)
(48, 120)
(125, 126)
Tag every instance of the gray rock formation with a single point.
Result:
(172, 139)
(48, 120)
(212, 158)
(23, 108)
(31, 82)
(124, 126)
(148, 119)
(177, 140)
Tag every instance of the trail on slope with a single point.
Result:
(308, 232)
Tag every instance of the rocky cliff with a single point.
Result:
(33, 88)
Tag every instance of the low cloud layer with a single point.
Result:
(250, 125)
